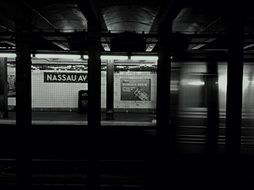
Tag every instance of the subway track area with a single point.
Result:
(127, 157)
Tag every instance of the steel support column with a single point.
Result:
(23, 100)
(212, 100)
(94, 100)
(164, 131)
(234, 86)
(3, 88)
(163, 83)
(110, 90)
(234, 98)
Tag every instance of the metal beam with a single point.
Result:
(110, 90)
(6, 27)
(212, 101)
(27, 7)
(8, 42)
(249, 46)
(94, 101)
(213, 26)
(234, 86)
(164, 130)
(61, 45)
(90, 10)
(109, 34)
(23, 98)
(166, 13)
(202, 43)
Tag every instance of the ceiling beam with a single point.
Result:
(202, 43)
(6, 25)
(63, 46)
(149, 35)
(209, 28)
(249, 46)
(166, 13)
(8, 8)
(129, 2)
(90, 9)
(3, 27)
(7, 39)
(9, 43)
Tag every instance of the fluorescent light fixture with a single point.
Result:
(248, 46)
(198, 46)
(144, 58)
(59, 56)
(150, 47)
(193, 82)
(10, 55)
(84, 56)
(114, 57)
(196, 83)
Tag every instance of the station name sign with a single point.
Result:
(65, 77)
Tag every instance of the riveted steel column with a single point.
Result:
(23, 97)
(3, 88)
(94, 100)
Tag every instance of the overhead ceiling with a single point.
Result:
(129, 18)
(61, 25)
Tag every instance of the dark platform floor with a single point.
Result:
(75, 118)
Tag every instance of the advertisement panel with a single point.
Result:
(136, 89)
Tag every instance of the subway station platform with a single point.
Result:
(79, 119)
(190, 68)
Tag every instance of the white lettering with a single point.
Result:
(68, 78)
(73, 77)
(64, 77)
(49, 77)
(82, 78)
(59, 76)
(54, 78)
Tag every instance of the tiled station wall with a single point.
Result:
(65, 95)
